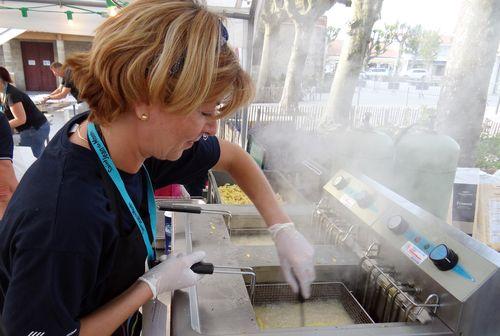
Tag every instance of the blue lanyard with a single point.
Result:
(110, 167)
(2, 107)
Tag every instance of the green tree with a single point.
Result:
(428, 48)
(303, 14)
(332, 33)
(380, 40)
(408, 38)
(271, 17)
(413, 41)
(365, 13)
(462, 101)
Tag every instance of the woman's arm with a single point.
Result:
(56, 91)
(61, 94)
(234, 160)
(295, 252)
(171, 274)
(8, 184)
(105, 320)
(19, 115)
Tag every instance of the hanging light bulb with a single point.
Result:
(111, 7)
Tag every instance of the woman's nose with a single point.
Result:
(211, 127)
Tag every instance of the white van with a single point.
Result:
(416, 74)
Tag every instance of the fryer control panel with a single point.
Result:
(422, 238)
(357, 197)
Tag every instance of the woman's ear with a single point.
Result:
(142, 111)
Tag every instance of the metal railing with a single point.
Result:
(308, 118)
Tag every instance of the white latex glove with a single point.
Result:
(173, 273)
(296, 257)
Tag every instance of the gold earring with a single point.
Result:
(144, 116)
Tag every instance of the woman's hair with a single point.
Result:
(154, 51)
(5, 75)
(56, 65)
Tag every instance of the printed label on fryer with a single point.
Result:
(414, 253)
(347, 201)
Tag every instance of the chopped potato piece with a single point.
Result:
(233, 195)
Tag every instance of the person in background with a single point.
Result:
(78, 230)
(8, 181)
(23, 115)
(67, 85)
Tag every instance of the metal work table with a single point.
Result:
(224, 304)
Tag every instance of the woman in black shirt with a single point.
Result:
(23, 115)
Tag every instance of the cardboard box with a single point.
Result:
(487, 225)
(466, 198)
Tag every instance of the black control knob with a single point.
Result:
(397, 224)
(443, 257)
(363, 199)
(340, 182)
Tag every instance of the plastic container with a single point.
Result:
(168, 232)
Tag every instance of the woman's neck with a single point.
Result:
(120, 142)
(122, 146)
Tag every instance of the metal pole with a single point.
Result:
(359, 95)
(248, 65)
(407, 94)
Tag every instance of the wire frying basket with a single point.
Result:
(320, 292)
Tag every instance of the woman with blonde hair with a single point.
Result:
(80, 226)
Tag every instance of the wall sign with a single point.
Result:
(46, 62)
(31, 62)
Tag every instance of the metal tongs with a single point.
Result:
(194, 209)
(209, 268)
(302, 300)
(188, 208)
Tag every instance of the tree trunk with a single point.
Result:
(463, 96)
(365, 13)
(291, 90)
(265, 62)
(398, 61)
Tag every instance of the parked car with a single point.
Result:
(375, 74)
(416, 74)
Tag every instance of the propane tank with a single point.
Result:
(424, 167)
(365, 151)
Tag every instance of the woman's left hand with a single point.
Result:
(296, 257)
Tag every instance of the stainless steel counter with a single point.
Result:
(224, 305)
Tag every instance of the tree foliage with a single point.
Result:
(380, 40)
(332, 33)
(409, 37)
(428, 47)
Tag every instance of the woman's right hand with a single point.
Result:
(173, 273)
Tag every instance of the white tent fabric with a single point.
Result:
(23, 159)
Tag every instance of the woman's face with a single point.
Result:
(167, 135)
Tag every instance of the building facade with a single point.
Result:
(29, 55)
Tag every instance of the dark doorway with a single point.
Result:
(37, 57)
